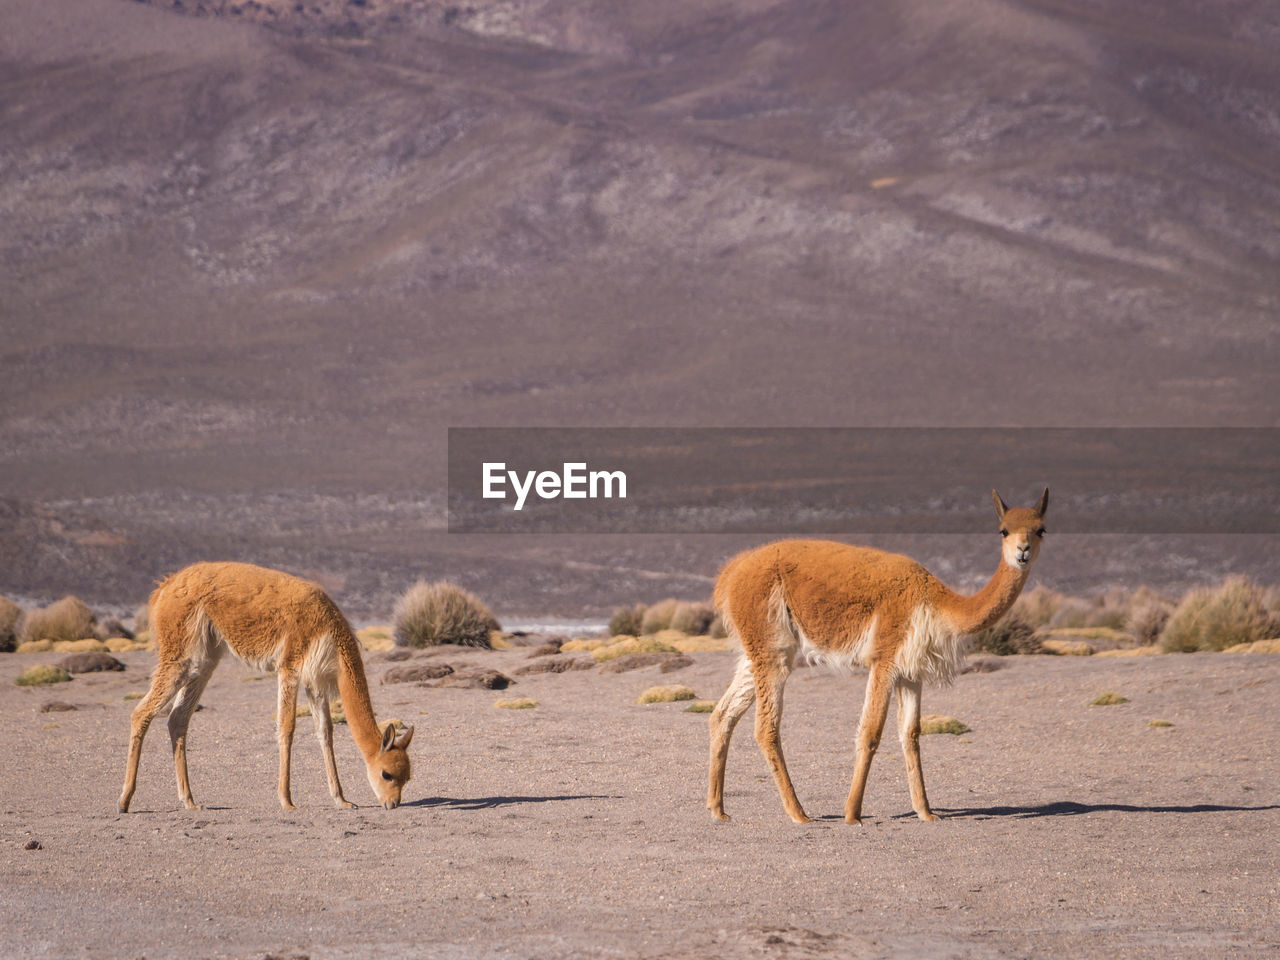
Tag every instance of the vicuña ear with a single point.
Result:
(402, 741)
(1044, 503)
(388, 737)
(1000, 507)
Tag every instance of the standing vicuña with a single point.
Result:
(845, 605)
(271, 621)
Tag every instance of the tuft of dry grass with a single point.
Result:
(433, 613)
(669, 694)
(1257, 646)
(627, 620)
(10, 625)
(1107, 699)
(67, 619)
(938, 723)
(134, 695)
(1159, 723)
(658, 616)
(1214, 618)
(517, 703)
(1064, 647)
(35, 646)
(703, 644)
(87, 645)
(693, 619)
(1009, 635)
(45, 673)
(590, 643)
(1148, 651)
(701, 706)
(630, 645)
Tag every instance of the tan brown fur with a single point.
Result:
(850, 605)
(272, 621)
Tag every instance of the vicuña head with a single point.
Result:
(847, 605)
(271, 621)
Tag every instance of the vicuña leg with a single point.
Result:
(184, 705)
(770, 677)
(324, 731)
(165, 683)
(874, 710)
(286, 720)
(740, 694)
(909, 734)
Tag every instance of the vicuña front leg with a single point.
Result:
(286, 719)
(324, 730)
(909, 734)
(769, 683)
(165, 683)
(874, 710)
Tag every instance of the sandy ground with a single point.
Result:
(578, 828)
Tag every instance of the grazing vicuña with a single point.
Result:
(271, 621)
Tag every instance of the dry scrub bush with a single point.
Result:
(692, 618)
(1009, 635)
(700, 706)
(626, 620)
(10, 623)
(1214, 618)
(519, 703)
(433, 613)
(658, 617)
(1038, 605)
(1107, 699)
(67, 619)
(717, 629)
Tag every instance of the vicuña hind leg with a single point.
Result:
(740, 694)
(770, 678)
(184, 705)
(874, 710)
(165, 683)
(324, 731)
(909, 734)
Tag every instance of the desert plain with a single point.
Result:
(577, 828)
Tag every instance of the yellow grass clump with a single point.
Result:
(1148, 651)
(45, 673)
(1215, 618)
(441, 612)
(631, 645)
(1256, 646)
(87, 645)
(123, 645)
(68, 619)
(700, 706)
(1159, 723)
(134, 695)
(498, 641)
(694, 644)
(518, 703)
(939, 723)
(669, 694)
(590, 643)
(1063, 647)
(35, 646)
(1107, 699)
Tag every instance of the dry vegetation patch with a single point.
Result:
(939, 723)
(1215, 618)
(669, 694)
(45, 673)
(429, 614)
(67, 619)
(516, 703)
(701, 706)
(621, 646)
(1107, 699)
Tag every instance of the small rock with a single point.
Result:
(89, 663)
(399, 653)
(33, 845)
(57, 706)
(982, 665)
(477, 679)
(546, 650)
(417, 673)
(557, 665)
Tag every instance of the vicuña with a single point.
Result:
(271, 621)
(846, 605)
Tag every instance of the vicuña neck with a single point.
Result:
(354, 689)
(982, 609)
